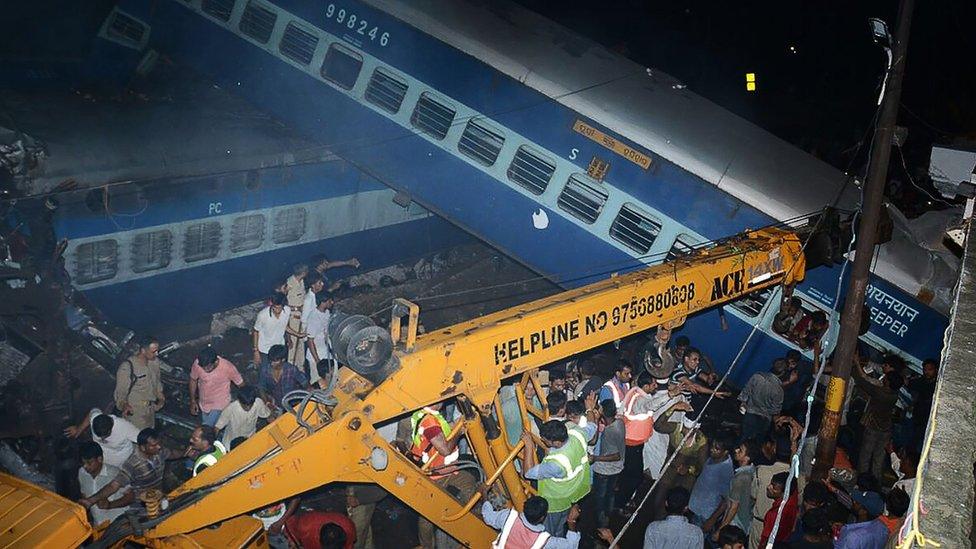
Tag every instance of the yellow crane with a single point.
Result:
(395, 372)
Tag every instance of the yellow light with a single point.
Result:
(750, 81)
(750, 86)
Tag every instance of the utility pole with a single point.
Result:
(867, 233)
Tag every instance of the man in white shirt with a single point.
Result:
(270, 327)
(116, 436)
(93, 475)
(316, 325)
(239, 418)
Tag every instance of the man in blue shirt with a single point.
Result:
(674, 532)
(708, 496)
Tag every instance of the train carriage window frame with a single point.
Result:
(583, 198)
(430, 113)
(102, 257)
(290, 225)
(247, 232)
(220, 10)
(531, 170)
(386, 90)
(202, 241)
(481, 142)
(258, 21)
(341, 66)
(151, 251)
(298, 43)
(635, 228)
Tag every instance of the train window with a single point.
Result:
(201, 241)
(803, 325)
(151, 251)
(752, 304)
(432, 116)
(125, 28)
(298, 44)
(341, 66)
(258, 21)
(218, 9)
(635, 228)
(247, 233)
(481, 142)
(386, 91)
(683, 245)
(583, 198)
(531, 170)
(96, 261)
(289, 225)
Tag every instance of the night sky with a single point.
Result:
(819, 95)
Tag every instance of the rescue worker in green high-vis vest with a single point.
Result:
(563, 474)
(206, 447)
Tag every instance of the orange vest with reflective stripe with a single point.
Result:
(516, 535)
(638, 427)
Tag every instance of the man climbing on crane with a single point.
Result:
(563, 475)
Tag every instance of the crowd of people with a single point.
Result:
(640, 432)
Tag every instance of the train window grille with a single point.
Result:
(218, 9)
(151, 251)
(531, 170)
(481, 142)
(201, 241)
(247, 233)
(752, 304)
(258, 22)
(683, 245)
(635, 229)
(96, 261)
(125, 28)
(298, 44)
(289, 225)
(385, 91)
(341, 66)
(432, 116)
(582, 198)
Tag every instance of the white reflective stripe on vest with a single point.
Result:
(207, 460)
(563, 461)
(618, 397)
(501, 542)
(629, 410)
(578, 436)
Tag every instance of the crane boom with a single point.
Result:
(468, 361)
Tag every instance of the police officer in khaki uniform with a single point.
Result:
(295, 295)
(138, 387)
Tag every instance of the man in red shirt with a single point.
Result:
(775, 491)
(321, 530)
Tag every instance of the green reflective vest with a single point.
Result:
(210, 457)
(562, 493)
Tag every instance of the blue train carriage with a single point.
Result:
(568, 157)
(172, 250)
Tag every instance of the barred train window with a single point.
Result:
(635, 228)
(531, 170)
(481, 142)
(683, 245)
(96, 261)
(151, 251)
(583, 198)
(341, 66)
(201, 241)
(289, 225)
(432, 116)
(258, 22)
(247, 233)
(386, 91)
(126, 29)
(219, 9)
(298, 44)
